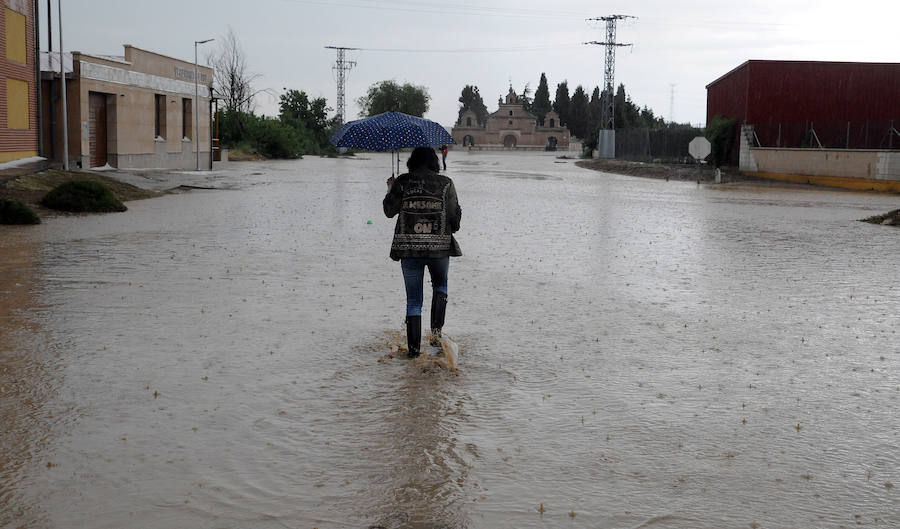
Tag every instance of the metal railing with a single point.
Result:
(862, 134)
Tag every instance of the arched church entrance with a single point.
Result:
(551, 143)
(509, 141)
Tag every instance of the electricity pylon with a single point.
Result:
(342, 66)
(608, 120)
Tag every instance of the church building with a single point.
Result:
(511, 127)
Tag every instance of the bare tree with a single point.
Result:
(232, 79)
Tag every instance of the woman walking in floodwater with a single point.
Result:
(429, 214)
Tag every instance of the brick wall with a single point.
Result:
(18, 102)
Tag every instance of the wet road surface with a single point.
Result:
(633, 353)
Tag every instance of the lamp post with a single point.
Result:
(196, 99)
(62, 76)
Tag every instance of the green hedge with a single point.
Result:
(82, 196)
(720, 133)
(274, 139)
(16, 212)
(283, 137)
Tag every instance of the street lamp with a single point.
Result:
(196, 99)
(62, 76)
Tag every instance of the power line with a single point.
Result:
(415, 6)
(505, 49)
(443, 9)
(341, 66)
(718, 24)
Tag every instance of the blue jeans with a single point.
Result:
(413, 276)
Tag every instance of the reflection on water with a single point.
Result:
(634, 353)
(26, 380)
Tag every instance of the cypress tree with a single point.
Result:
(561, 103)
(541, 104)
(470, 99)
(578, 113)
(595, 112)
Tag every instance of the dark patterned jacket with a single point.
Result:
(429, 214)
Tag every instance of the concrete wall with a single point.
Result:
(877, 165)
(851, 169)
(606, 144)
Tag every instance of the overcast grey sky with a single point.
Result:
(490, 44)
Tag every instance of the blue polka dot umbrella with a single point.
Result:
(390, 131)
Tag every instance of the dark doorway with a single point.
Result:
(97, 131)
(509, 142)
(551, 143)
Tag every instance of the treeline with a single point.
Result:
(580, 112)
(302, 127)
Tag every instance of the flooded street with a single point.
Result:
(634, 353)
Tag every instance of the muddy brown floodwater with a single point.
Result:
(633, 354)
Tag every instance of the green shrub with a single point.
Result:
(82, 196)
(720, 133)
(288, 136)
(16, 212)
(274, 139)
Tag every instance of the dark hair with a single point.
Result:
(423, 157)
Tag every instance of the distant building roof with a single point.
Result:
(50, 61)
(826, 64)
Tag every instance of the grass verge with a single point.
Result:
(31, 189)
(82, 196)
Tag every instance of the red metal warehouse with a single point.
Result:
(811, 104)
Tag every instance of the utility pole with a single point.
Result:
(342, 66)
(50, 31)
(609, 73)
(62, 76)
(196, 103)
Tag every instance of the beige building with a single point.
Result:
(135, 110)
(511, 127)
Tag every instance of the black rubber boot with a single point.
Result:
(438, 312)
(413, 335)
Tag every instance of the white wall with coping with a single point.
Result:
(889, 164)
(110, 74)
(161, 159)
(844, 163)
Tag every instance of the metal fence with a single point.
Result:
(868, 134)
(670, 144)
